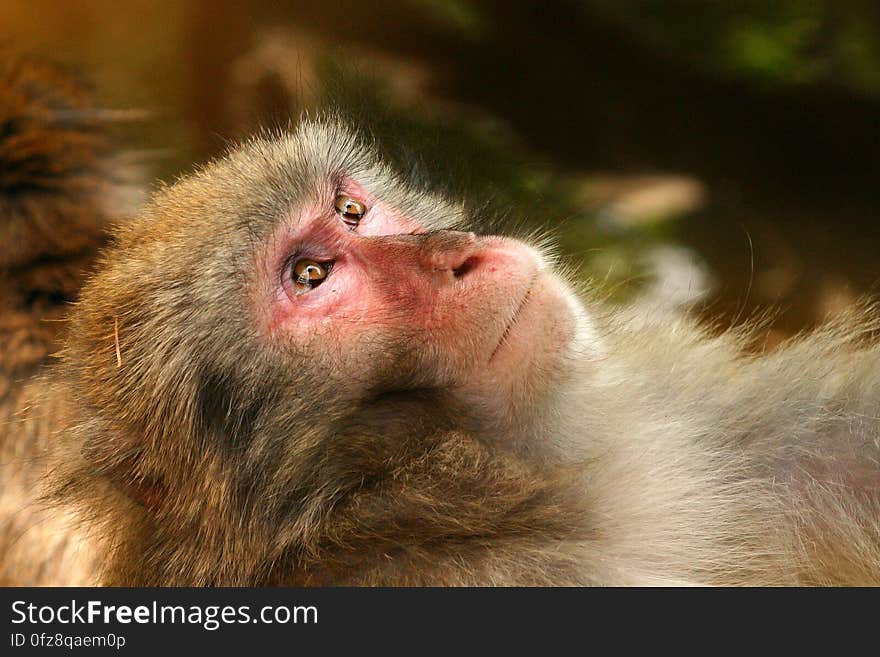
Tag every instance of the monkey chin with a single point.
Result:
(544, 343)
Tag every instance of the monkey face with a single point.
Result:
(362, 274)
(382, 301)
(298, 277)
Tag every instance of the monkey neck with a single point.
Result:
(436, 515)
(441, 517)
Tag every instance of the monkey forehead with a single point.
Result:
(274, 175)
(323, 155)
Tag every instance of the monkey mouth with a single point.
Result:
(515, 316)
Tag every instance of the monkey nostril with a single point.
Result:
(450, 252)
(465, 267)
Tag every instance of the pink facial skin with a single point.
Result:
(473, 305)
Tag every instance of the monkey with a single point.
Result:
(293, 367)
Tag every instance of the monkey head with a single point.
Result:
(285, 329)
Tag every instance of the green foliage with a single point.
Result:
(787, 42)
(460, 16)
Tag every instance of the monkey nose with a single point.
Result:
(451, 251)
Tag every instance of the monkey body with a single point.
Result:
(762, 468)
(289, 369)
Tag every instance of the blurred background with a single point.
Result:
(674, 146)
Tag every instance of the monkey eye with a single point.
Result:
(307, 274)
(350, 210)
